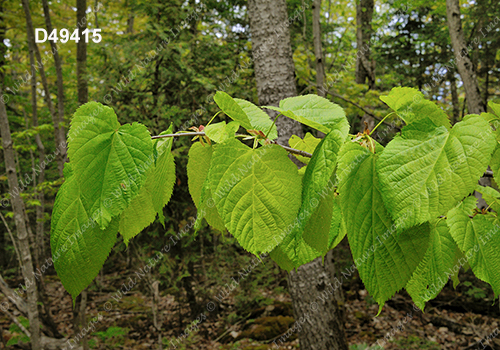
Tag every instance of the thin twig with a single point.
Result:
(177, 135)
(12, 238)
(17, 322)
(288, 149)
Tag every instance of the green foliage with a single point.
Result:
(402, 207)
(256, 191)
(385, 259)
(314, 111)
(428, 163)
(440, 261)
(18, 334)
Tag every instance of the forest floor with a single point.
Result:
(465, 318)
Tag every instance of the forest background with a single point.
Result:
(161, 62)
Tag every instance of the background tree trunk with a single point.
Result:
(59, 74)
(273, 63)
(318, 49)
(464, 64)
(79, 318)
(58, 136)
(364, 69)
(274, 72)
(22, 232)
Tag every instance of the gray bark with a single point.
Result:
(464, 64)
(58, 64)
(79, 318)
(81, 53)
(454, 100)
(274, 72)
(318, 48)
(22, 232)
(58, 134)
(364, 69)
(273, 62)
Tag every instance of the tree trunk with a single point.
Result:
(364, 69)
(454, 99)
(22, 232)
(317, 298)
(318, 49)
(81, 53)
(58, 136)
(57, 62)
(274, 72)
(273, 62)
(79, 318)
(464, 64)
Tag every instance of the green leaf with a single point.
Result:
(308, 144)
(441, 261)
(79, 246)
(200, 157)
(153, 195)
(316, 112)
(256, 191)
(258, 118)
(140, 213)
(478, 237)
(107, 157)
(164, 177)
(232, 109)
(385, 260)
(491, 196)
(317, 192)
(219, 132)
(410, 105)
(495, 162)
(427, 170)
(495, 107)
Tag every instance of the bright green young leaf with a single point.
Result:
(495, 107)
(153, 195)
(307, 144)
(219, 132)
(258, 118)
(256, 191)
(495, 163)
(317, 192)
(410, 105)
(164, 177)
(478, 237)
(198, 165)
(441, 261)
(109, 160)
(491, 196)
(314, 111)
(79, 246)
(427, 170)
(140, 213)
(385, 259)
(232, 109)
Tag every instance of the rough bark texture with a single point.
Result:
(364, 69)
(22, 232)
(318, 48)
(454, 99)
(464, 64)
(57, 62)
(273, 61)
(81, 53)
(58, 136)
(79, 318)
(317, 296)
(274, 72)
